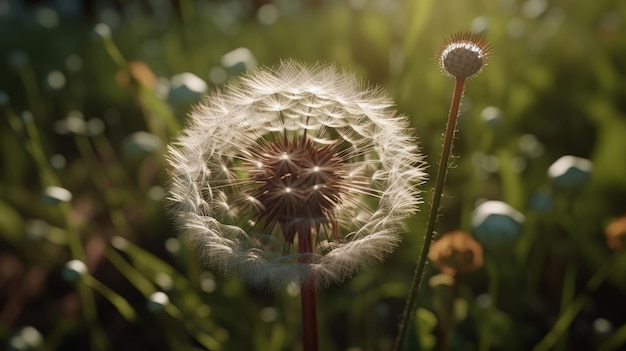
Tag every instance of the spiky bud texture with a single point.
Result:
(463, 55)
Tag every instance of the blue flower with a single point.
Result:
(569, 172)
(496, 224)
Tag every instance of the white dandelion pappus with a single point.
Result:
(294, 172)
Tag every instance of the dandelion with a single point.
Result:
(290, 166)
(462, 56)
(295, 175)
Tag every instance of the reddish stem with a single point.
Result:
(308, 293)
(449, 320)
(442, 170)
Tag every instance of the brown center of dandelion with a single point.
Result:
(297, 184)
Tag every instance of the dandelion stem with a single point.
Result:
(450, 316)
(440, 179)
(308, 292)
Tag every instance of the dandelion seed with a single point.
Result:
(320, 175)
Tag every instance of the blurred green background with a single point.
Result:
(91, 92)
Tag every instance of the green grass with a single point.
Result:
(560, 80)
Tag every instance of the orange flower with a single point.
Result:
(616, 233)
(456, 253)
(136, 73)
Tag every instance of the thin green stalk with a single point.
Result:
(138, 280)
(121, 304)
(48, 178)
(484, 343)
(35, 148)
(613, 342)
(113, 51)
(149, 102)
(567, 296)
(31, 88)
(450, 318)
(440, 179)
(89, 153)
(207, 341)
(187, 12)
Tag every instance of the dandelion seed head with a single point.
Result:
(289, 150)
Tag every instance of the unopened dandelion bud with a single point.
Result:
(25, 339)
(55, 194)
(74, 270)
(496, 225)
(570, 172)
(103, 30)
(463, 55)
(186, 89)
(141, 143)
(4, 98)
(157, 302)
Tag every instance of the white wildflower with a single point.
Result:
(294, 172)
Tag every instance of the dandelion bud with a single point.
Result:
(141, 143)
(74, 123)
(463, 55)
(496, 224)
(25, 339)
(74, 270)
(4, 98)
(294, 172)
(492, 116)
(602, 327)
(102, 30)
(186, 89)
(569, 172)
(55, 194)
(157, 302)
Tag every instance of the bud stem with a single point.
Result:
(440, 179)
(308, 292)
